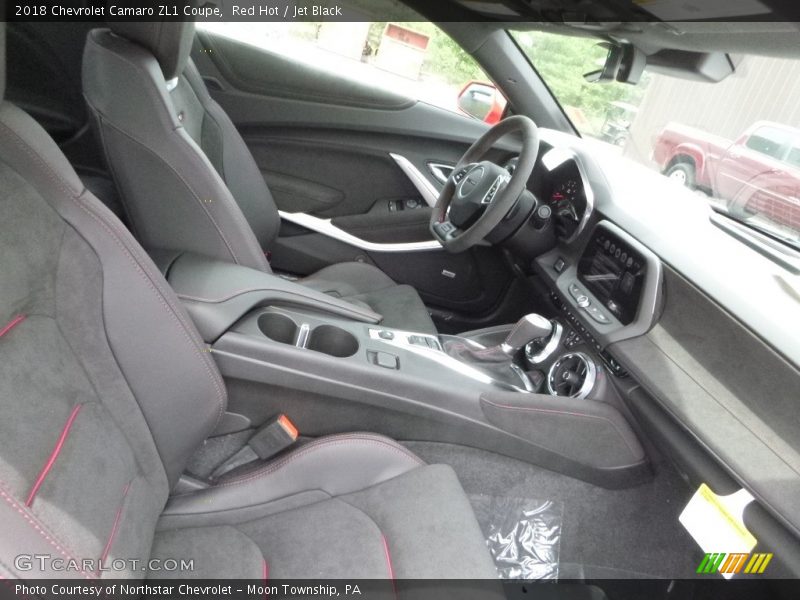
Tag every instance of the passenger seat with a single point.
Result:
(187, 179)
(107, 390)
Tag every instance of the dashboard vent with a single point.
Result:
(572, 375)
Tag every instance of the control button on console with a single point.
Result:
(386, 335)
(424, 340)
(583, 301)
(386, 360)
(597, 314)
(559, 265)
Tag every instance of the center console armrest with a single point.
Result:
(217, 294)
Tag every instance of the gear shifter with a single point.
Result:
(498, 361)
(528, 328)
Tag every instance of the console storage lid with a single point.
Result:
(217, 294)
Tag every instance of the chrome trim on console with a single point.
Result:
(589, 380)
(549, 348)
(401, 340)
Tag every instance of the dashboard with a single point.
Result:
(614, 272)
(560, 182)
(608, 277)
(698, 320)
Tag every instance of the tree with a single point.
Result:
(562, 61)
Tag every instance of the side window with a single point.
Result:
(416, 59)
(768, 140)
(793, 157)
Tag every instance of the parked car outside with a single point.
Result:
(756, 175)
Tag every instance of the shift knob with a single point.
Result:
(528, 328)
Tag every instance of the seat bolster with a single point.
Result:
(239, 169)
(330, 466)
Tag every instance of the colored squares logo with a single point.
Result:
(731, 564)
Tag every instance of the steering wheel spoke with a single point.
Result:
(459, 173)
(446, 231)
(499, 184)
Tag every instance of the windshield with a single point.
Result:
(735, 143)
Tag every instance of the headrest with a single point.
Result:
(169, 41)
(2, 60)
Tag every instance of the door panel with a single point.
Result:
(331, 179)
(382, 224)
(294, 193)
(350, 173)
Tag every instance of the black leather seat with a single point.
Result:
(187, 179)
(106, 391)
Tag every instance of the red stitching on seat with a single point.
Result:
(265, 575)
(54, 454)
(115, 527)
(12, 323)
(29, 520)
(388, 557)
(117, 234)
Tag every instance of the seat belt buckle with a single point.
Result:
(274, 436)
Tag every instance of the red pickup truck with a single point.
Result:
(757, 175)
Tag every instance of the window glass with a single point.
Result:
(415, 59)
(597, 110)
(768, 140)
(793, 157)
(720, 140)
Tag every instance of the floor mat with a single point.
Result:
(628, 533)
(523, 535)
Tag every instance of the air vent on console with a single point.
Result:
(572, 375)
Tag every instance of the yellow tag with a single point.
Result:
(735, 521)
(717, 522)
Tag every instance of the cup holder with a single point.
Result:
(278, 327)
(333, 341)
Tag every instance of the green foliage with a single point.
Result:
(562, 61)
(447, 61)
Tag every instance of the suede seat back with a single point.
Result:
(105, 387)
(187, 180)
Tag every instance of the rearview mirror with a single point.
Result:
(482, 101)
(624, 63)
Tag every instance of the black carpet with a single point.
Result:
(606, 534)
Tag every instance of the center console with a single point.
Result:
(521, 390)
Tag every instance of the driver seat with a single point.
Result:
(187, 180)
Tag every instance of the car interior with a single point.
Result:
(291, 326)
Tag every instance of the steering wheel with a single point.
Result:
(479, 194)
